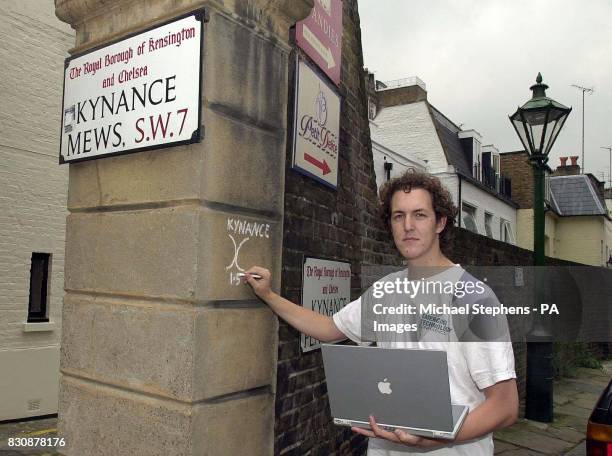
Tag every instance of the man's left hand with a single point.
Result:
(398, 436)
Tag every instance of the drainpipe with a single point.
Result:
(459, 218)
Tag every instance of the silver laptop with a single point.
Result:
(403, 389)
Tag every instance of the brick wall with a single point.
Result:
(401, 96)
(337, 225)
(516, 166)
(468, 248)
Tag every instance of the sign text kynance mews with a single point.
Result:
(139, 93)
(326, 290)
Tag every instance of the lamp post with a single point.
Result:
(538, 123)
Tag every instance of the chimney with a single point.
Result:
(400, 92)
(567, 170)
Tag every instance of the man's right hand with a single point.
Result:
(261, 287)
(314, 324)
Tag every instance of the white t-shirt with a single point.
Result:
(472, 366)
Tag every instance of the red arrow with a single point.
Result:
(323, 166)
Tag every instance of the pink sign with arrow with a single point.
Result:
(320, 36)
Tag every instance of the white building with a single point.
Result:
(403, 121)
(389, 164)
(33, 45)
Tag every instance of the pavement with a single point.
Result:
(574, 399)
(45, 429)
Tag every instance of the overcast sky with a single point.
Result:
(478, 59)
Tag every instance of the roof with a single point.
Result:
(575, 195)
(448, 134)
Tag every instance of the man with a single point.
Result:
(417, 208)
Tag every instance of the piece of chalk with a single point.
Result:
(255, 276)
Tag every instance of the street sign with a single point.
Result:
(316, 127)
(320, 36)
(138, 93)
(326, 289)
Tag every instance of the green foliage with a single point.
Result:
(568, 357)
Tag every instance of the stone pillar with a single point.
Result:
(162, 352)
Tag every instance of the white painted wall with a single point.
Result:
(409, 131)
(33, 45)
(451, 181)
(400, 163)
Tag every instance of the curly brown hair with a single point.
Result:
(442, 200)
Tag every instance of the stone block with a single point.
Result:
(243, 165)
(231, 243)
(197, 253)
(108, 421)
(236, 427)
(235, 350)
(141, 253)
(245, 74)
(175, 351)
(143, 177)
(139, 345)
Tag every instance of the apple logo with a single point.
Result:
(384, 387)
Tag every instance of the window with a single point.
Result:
(477, 159)
(497, 171)
(39, 275)
(547, 191)
(371, 109)
(468, 216)
(506, 232)
(496, 163)
(489, 224)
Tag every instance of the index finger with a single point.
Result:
(379, 432)
(256, 270)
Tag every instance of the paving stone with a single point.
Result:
(571, 421)
(588, 385)
(585, 372)
(521, 452)
(566, 433)
(578, 450)
(560, 399)
(585, 403)
(574, 410)
(501, 447)
(522, 436)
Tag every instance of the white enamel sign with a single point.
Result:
(326, 290)
(316, 127)
(140, 93)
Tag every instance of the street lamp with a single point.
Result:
(538, 123)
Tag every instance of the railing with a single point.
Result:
(414, 80)
(501, 184)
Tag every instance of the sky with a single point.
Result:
(478, 59)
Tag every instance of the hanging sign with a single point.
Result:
(139, 93)
(326, 290)
(316, 127)
(320, 36)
